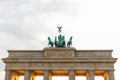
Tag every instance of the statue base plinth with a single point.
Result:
(59, 52)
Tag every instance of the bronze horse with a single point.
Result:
(50, 42)
(69, 43)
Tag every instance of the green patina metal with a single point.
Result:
(69, 43)
(60, 40)
(50, 42)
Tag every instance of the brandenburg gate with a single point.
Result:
(59, 60)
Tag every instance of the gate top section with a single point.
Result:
(59, 53)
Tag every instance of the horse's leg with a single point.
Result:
(51, 44)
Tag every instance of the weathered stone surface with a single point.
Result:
(25, 54)
(8, 75)
(72, 75)
(94, 54)
(90, 74)
(58, 59)
(59, 52)
(64, 66)
(27, 75)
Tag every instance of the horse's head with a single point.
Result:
(49, 38)
(55, 37)
(70, 38)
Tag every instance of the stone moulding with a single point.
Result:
(58, 53)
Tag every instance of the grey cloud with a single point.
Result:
(59, 6)
(26, 7)
(14, 13)
(18, 32)
(55, 6)
(46, 7)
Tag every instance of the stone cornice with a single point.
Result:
(11, 51)
(10, 60)
(102, 50)
(107, 50)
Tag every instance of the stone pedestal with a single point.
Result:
(59, 52)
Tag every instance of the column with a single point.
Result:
(111, 74)
(27, 75)
(72, 75)
(90, 75)
(46, 75)
(8, 75)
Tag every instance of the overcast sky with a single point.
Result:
(26, 24)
